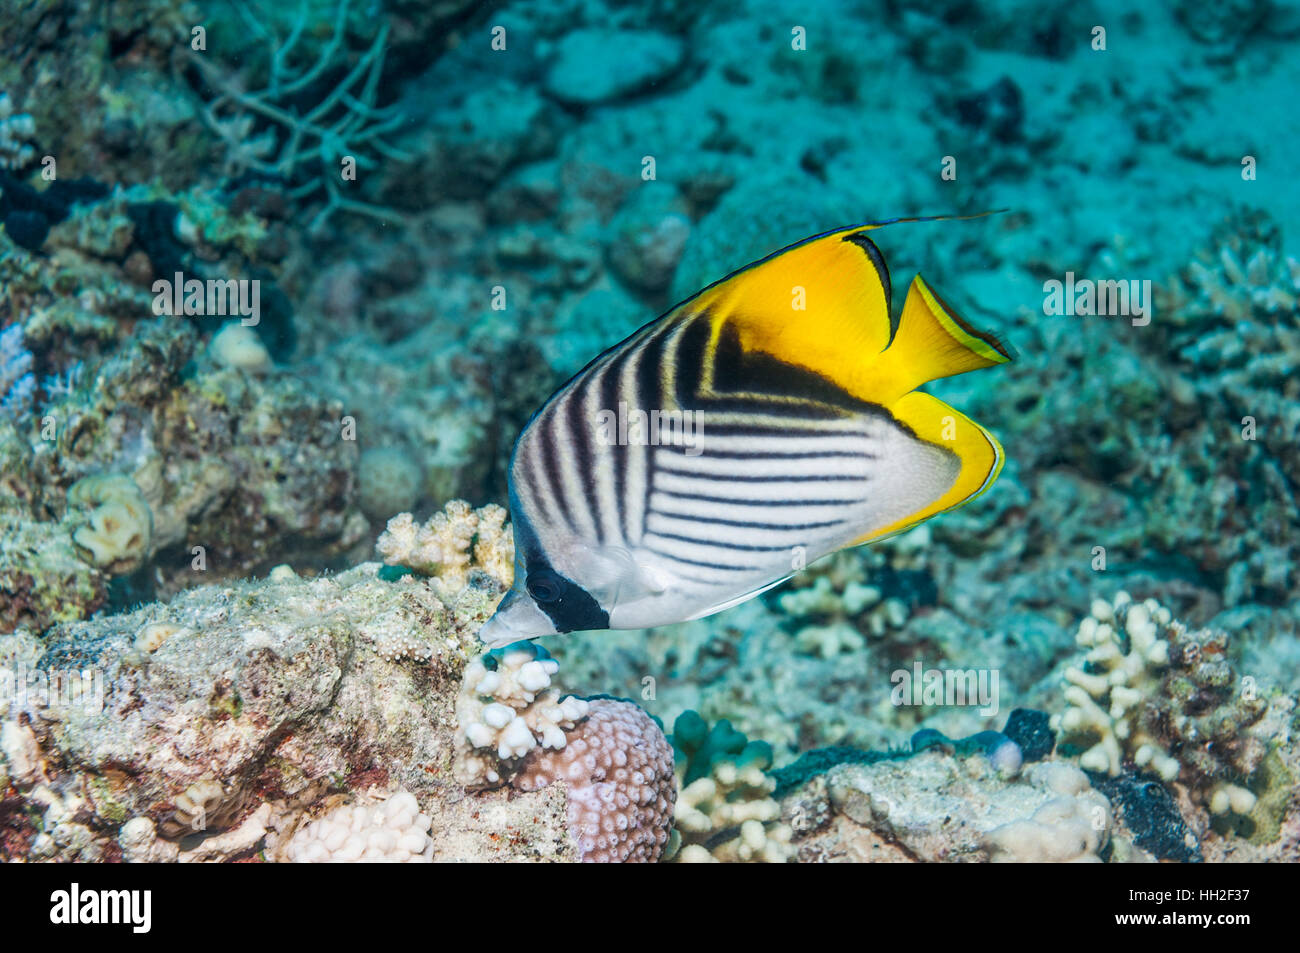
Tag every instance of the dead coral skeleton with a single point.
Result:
(345, 123)
(451, 543)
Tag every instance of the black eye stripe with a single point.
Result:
(570, 607)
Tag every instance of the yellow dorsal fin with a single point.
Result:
(824, 304)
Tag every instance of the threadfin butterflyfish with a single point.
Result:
(769, 420)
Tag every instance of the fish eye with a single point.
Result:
(544, 586)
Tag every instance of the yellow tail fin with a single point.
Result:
(932, 341)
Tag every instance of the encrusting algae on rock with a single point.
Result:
(246, 711)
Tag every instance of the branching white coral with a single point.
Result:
(1121, 668)
(839, 592)
(1235, 281)
(828, 641)
(451, 543)
(504, 712)
(1162, 697)
(494, 544)
(735, 797)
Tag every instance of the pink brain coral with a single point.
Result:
(618, 768)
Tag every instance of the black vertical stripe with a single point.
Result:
(550, 469)
(582, 460)
(691, 352)
(608, 383)
(878, 262)
(653, 391)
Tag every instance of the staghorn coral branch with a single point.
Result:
(345, 122)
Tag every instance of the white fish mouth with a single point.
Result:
(517, 619)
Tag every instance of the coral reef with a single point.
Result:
(725, 811)
(1152, 693)
(611, 757)
(938, 807)
(17, 130)
(581, 168)
(452, 543)
(223, 473)
(266, 700)
(1228, 334)
(265, 720)
(235, 471)
(859, 593)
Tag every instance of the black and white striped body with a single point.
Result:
(753, 469)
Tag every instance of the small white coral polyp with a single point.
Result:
(505, 712)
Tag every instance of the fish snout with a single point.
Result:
(517, 618)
